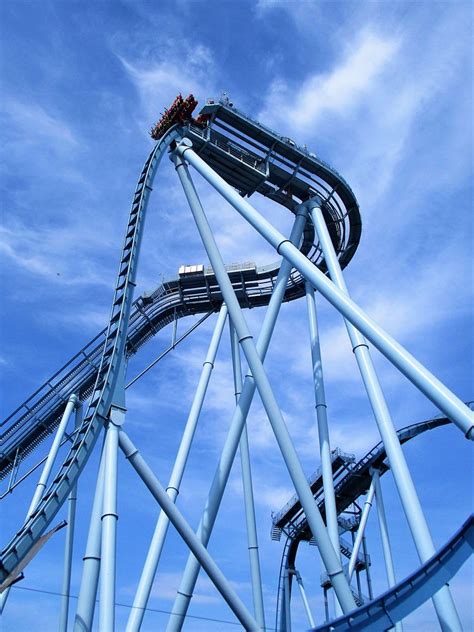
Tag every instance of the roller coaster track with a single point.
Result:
(250, 158)
(275, 168)
(348, 489)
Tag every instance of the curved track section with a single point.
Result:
(408, 595)
(107, 375)
(349, 488)
(270, 165)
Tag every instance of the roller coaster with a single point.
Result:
(239, 157)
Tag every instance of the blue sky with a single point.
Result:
(383, 92)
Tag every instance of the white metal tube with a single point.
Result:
(68, 546)
(323, 429)
(48, 466)
(439, 394)
(387, 549)
(91, 567)
(331, 562)
(109, 524)
(307, 609)
(250, 519)
(361, 530)
(443, 601)
(156, 546)
(188, 535)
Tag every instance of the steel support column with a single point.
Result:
(68, 545)
(443, 602)
(439, 394)
(48, 466)
(109, 522)
(185, 531)
(154, 552)
(307, 609)
(323, 430)
(91, 568)
(330, 560)
(250, 520)
(364, 516)
(386, 547)
(231, 444)
(46, 471)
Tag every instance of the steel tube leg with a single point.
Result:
(68, 546)
(323, 430)
(444, 605)
(109, 523)
(48, 466)
(232, 441)
(90, 572)
(387, 550)
(248, 491)
(331, 562)
(185, 531)
(43, 480)
(367, 568)
(304, 599)
(441, 396)
(154, 552)
(361, 530)
(238, 420)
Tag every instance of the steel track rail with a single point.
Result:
(350, 488)
(398, 602)
(106, 379)
(114, 344)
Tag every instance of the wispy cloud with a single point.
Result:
(336, 92)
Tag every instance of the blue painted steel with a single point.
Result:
(109, 523)
(323, 430)
(185, 531)
(331, 562)
(443, 602)
(52, 454)
(304, 598)
(384, 536)
(69, 544)
(113, 354)
(412, 592)
(45, 473)
(252, 538)
(238, 420)
(364, 516)
(156, 546)
(90, 571)
(441, 396)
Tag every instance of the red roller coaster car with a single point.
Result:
(180, 111)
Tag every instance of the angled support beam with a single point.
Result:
(91, 567)
(68, 545)
(185, 531)
(307, 609)
(323, 429)
(330, 560)
(250, 519)
(156, 546)
(439, 394)
(443, 602)
(46, 471)
(361, 530)
(48, 466)
(384, 536)
(109, 522)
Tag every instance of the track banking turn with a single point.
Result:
(251, 158)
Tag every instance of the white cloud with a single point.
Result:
(160, 81)
(34, 122)
(337, 92)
